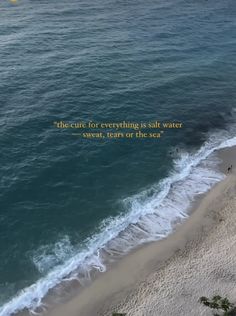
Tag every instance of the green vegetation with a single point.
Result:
(223, 304)
(118, 314)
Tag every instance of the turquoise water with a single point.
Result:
(62, 198)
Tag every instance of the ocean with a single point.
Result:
(68, 205)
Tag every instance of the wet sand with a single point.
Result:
(168, 277)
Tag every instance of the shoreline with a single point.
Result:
(112, 289)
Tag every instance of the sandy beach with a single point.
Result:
(168, 277)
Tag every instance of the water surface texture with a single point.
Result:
(63, 200)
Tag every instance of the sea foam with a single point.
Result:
(150, 215)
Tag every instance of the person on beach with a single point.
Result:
(230, 168)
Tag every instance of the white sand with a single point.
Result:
(167, 278)
(206, 267)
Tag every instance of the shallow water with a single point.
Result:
(63, 198)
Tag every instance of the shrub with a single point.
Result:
(219, 303)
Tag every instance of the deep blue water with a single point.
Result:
(103, 61)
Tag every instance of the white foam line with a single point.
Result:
(157, 202)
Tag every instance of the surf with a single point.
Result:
(151, 215)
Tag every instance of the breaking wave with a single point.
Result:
(150, 215)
